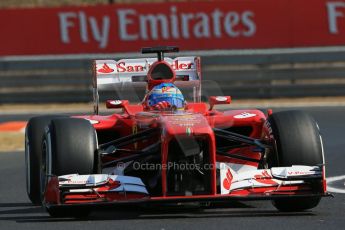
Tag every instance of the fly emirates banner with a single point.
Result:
(209, 25)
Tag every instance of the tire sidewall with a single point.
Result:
(34, 133)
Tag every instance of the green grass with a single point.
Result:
(11, 141)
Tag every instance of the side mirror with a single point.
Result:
(116, 104)
(218, 100)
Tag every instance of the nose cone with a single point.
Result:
(186, 124)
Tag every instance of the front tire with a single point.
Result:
(298, 142)
(70, 148)
(34, 133)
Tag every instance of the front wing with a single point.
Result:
(265, 184)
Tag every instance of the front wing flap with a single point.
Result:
(276, 180)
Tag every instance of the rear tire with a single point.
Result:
(34, 133)
(298, 142)
(70, 148)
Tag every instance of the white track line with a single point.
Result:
(330, 180)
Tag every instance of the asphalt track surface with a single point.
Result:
(16, 211)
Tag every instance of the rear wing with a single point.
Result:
(133, 73)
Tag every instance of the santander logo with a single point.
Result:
(105, 69)
(227, 180)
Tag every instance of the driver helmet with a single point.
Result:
(166, 92)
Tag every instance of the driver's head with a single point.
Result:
(165, 96)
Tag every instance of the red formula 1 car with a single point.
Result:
(146, 156)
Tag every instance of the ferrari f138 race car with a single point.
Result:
(143, 155)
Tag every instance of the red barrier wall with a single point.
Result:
(234, 24)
